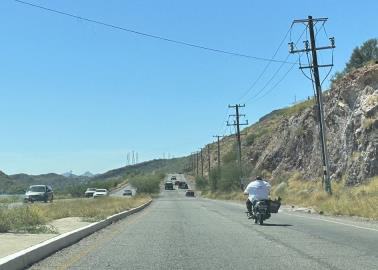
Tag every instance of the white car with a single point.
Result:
(89, 192)
(100, 193)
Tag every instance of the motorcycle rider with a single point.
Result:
(256, 190)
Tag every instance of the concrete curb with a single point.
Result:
(26, 257)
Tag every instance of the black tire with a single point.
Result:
(256, 219)
(261, 219)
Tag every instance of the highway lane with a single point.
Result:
(177, 232)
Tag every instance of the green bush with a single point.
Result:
(250, 139)
(146, 183)
(215, 175)
(230, 156)
(201, 182)
(361, 56)
(230, 178)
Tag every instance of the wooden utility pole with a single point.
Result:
(197, 163)
(208, 159)
(201, 163)
(218, 148)
(314, 66)
(237, 123)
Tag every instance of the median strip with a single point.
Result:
(28, 256)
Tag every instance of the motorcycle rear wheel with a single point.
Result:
(261, 219)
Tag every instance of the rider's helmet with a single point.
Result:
(258, 177)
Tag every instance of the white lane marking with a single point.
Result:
(333, 221)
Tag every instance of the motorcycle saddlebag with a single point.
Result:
(274, 206)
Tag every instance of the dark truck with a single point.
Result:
(183, 185)
(168, 186)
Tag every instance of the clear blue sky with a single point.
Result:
(78, 96)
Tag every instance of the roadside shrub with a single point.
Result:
(230, 178)
(20, 219)
(201, 182)
(215, 175)
(5, 224)
(146, 183)
(281, 189)
(230, 156)
(250, 139)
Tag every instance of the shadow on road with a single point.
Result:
(276, 225)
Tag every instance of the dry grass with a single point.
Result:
(11, 199)
(33, 218)
(351, 201)
(95, 209)
(359, 201)
(367, 123)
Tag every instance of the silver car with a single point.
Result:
(42, 193)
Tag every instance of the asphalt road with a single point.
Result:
(177, 232)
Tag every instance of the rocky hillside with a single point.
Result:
(287, 140)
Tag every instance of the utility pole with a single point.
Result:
(208, 158)
(237, 123)
(314, 66)
(192, 162)
(201, 163)
(197, 163)
(218, 148)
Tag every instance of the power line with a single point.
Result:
(233, 53)
(275, 74)
(266, 66)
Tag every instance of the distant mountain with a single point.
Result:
(69, 174)
(18, 183)
(88, 174)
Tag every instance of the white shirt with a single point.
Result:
(258, 190)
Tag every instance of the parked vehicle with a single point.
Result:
(100, 193)
(173, 178)
(263, 209)
(42, 193)
(89, 192)
(189, 193)
(183, 185)
(127, 192)
(168, 186)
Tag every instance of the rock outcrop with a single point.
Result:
(291, 141)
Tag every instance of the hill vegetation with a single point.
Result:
(284, 147)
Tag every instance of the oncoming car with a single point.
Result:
(127, 192)
(183, 185)
(168, 186)
(100, 192)
(42, 193)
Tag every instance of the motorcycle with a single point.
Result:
(263, 209)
